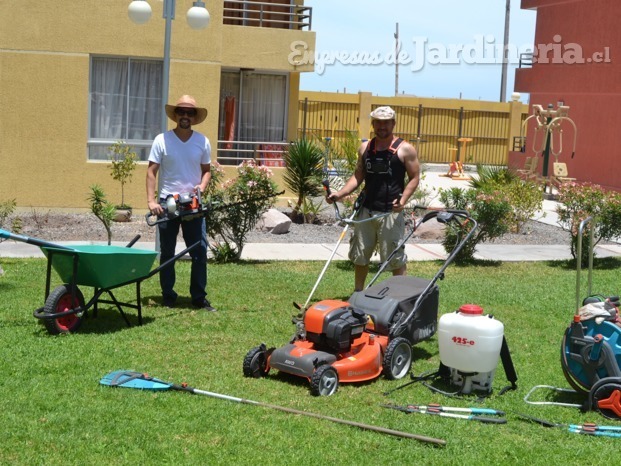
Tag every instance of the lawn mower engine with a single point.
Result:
(333, 325)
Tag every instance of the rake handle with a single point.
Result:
(382, 430)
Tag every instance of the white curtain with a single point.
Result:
(263, 107)
(126, 102)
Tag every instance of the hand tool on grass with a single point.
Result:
(131, 379)
(445, 411)
(585, 429)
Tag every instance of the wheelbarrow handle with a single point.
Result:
(173, 259)
(27, 239)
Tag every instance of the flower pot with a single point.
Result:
(123, 215)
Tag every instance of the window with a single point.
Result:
(253, 109)
(125, 104)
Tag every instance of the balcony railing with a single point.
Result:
(268, 154)
(270, 14)
(526, 60)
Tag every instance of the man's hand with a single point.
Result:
(155, 208)
(332, 197)
(397, 206)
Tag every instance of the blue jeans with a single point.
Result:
(193, 231)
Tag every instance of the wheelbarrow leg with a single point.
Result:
(118, 306)
(138, 303)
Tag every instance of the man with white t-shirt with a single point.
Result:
(182, 157)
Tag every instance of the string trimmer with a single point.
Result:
(188, 206)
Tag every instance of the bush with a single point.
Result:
(122, 166)
(303, 171)
(578, 201)
(6, 209)
(491, 210)
(102, 208)
(237, 205)
(525, 197)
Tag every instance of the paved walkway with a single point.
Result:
(433, 179)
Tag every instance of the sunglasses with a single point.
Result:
(191, 112)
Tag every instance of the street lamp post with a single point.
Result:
(139, 11)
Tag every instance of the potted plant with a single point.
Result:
(122, 166)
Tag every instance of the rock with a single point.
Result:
(275, 222)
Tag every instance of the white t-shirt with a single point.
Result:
(180, 162)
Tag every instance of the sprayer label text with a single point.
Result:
(463, 341)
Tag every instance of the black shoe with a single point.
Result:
(169, 302)
(206, 305)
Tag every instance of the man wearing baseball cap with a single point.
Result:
(383, 164)
(182, 157)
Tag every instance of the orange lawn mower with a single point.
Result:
(372, 333)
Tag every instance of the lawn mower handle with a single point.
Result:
(445, 216)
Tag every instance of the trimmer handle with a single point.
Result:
(326, 187)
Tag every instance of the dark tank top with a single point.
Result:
(384, 178)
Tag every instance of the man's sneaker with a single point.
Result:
(206, 305)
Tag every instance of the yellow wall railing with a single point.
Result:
(434, 125)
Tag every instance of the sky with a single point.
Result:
(448, 48)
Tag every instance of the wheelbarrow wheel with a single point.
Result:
(59, 301)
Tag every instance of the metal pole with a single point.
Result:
(168, 15)
(505, 60)
(397, 60)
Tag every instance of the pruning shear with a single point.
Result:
(474, 414)
(585, 429)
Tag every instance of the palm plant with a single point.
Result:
(303, 170)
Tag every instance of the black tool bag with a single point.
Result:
(392, 300)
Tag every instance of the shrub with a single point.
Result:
(6, 209)
(578, 201)
(122, 166)
(525, 197)
(303, 171)
(102, 208)
(237, 205)
(492, 211)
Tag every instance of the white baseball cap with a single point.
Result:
(383, 113)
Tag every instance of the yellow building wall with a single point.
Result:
(45, 50)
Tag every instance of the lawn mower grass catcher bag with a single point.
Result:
(392, 300)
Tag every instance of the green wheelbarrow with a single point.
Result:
(102, 267)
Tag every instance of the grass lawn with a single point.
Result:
(53, 410)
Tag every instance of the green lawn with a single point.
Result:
(53, 410)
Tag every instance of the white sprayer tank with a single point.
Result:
(469, 344)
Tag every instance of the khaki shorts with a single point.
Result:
(386, 233)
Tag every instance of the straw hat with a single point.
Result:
(383, 113)
(187, 101)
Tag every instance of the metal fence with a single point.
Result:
(442, 133)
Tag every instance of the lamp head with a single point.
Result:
(139, 11)
(198, 16)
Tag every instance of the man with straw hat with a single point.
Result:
(383, 164)
(182, 157)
